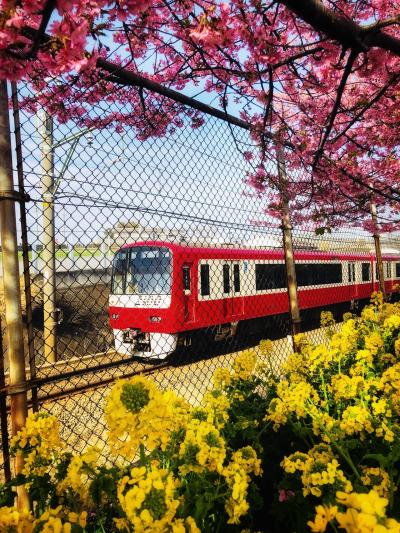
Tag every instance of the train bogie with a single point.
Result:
(144, 344)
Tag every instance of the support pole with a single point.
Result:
(12, 292)
(378, 250)
(5, 444)
(25, 244)
(288, 246)
(48, 239)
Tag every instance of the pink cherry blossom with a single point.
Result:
(332, 98)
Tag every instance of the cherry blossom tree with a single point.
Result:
(320, 77)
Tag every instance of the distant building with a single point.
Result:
(129, 232)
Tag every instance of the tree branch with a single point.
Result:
(40, 33)
(341, 29)
(346, 73)
(372, 102)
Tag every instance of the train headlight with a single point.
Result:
(155, 319)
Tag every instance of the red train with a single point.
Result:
(163, 293)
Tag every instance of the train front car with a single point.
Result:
(140, 301)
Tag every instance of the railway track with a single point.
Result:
(63, 379)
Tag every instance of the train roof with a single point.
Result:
(255, 253)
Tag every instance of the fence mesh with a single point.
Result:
(112, 298)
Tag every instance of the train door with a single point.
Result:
(352, 279)
(188, 302)
(388, 275)
(233, 300)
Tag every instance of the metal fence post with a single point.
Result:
(288, 246)
(25, 244)
(48, 239)
(12, 292)
(5, 444)
(378, 250)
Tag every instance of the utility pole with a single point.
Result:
(12, 291)
(288, 246)
(378, 250)
(48, 238)
(50, 186)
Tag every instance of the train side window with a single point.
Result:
(205, 280)
(186, 278)
(314, 274)
(236, 278)
(351, 268)
(397, 270)
(270, 277)
(389, 270)
(226, 279)
(365, 271)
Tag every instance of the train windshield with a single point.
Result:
(142, 270)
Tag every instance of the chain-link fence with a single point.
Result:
(155, 254)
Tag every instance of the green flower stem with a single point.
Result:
(346, 457)
(333, 527)
(341, 452)
(392, 489)
(324, 389)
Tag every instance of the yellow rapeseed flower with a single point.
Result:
(237, 474)
(138, 413)
(221, 378)
(377, 479)
(373, 342)
(203, 448)
(14, 521)
(37, 442)
(324, 515)
(149, 499)
(244, 364)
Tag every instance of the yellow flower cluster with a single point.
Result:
(291, 398)
(37, 442)
(377, 479)
(216, 405)
(222, 378)
(244, 364)
(369, 314)
(345, 342)
(319, 470)
(57, 520)
(265, 347)
(327, 320)
(203, 448)
(324, 515)
(345, 387)
(14, 521)
(185, 526)
(148, 498)
(174, 444)
(362, 513)
(78, 473)
(138, 413)
(373, 342)
(357, 419)
(365, 513)
(347, 394)
(237, 474)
